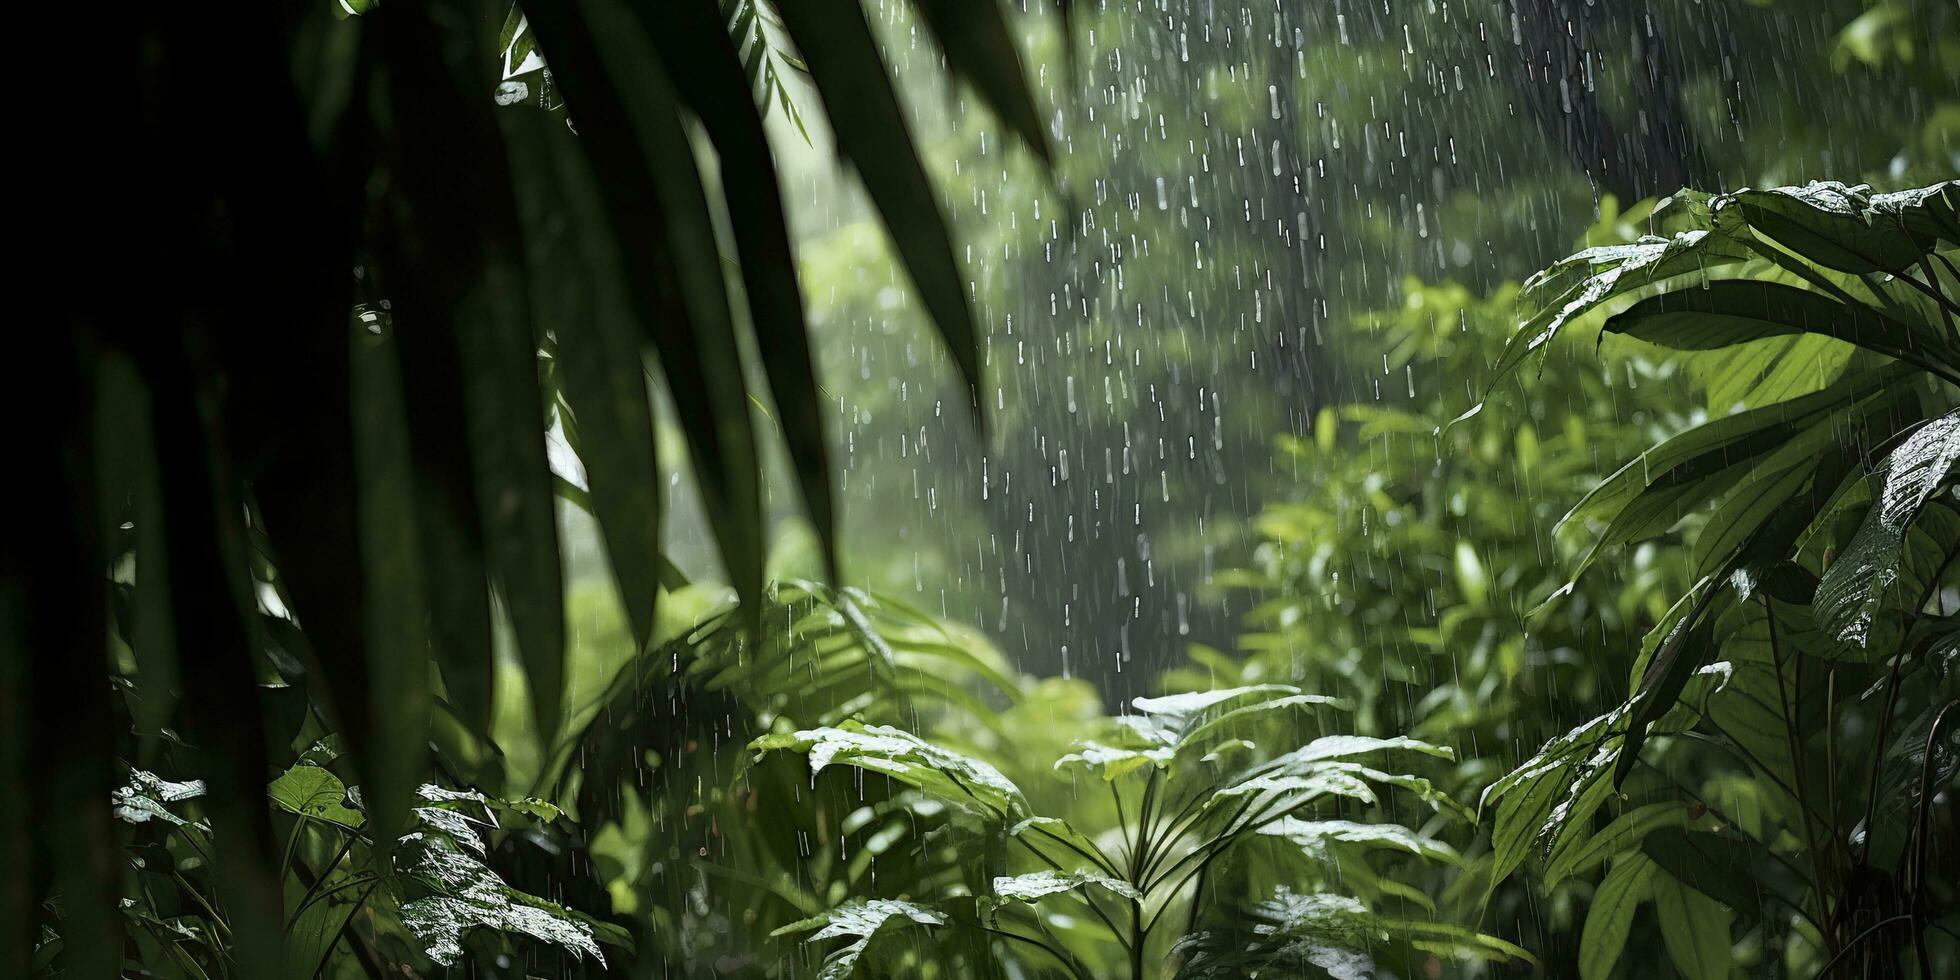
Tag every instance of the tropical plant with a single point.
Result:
(421, 899)
(348, 500)
(659, 834)
(1779, 781)
(1207, 788)
(1398, 570)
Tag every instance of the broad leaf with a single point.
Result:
(861, 921)
(705, 66)
(1849, 228)
(311, 791)
(1578, 283)
(1694, 927)
(1857, 586)
(1113, 763)
(1737, 311)
(576, 274)
(1037, 885)
(444, 855)
(905, 757)
(1623, 834)
(1608, 920)
(1314, 836)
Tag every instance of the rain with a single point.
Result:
(1002, 488)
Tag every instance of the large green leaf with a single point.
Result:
(1737, 311)
(905, 757)
(310, 791)
(837, 43)
(1195, 727)
(1528, 798)
(1627, 884)
(861, 921)
(1623, 834)
(1694, 928)
(1707, 450)
(578, 280)
(396, 583)
(1037, 885)
(445, 856)
(1851, 229)
(1719, 865)
(1577, 284)
(1315, 836)
(1884, 564)
(705, 66)
(645, 170)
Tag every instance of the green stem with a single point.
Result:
(346, 844)
(1853, 944)
(1060, 956)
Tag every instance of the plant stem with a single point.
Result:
(1918, 898)
(1795, 739)
(1060, 956)
(1855, 940)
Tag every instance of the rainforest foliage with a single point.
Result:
(956, 489)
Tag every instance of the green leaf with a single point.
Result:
(1814, 460)
(645, 170)
(1323, 922)
(1528, 798)
(905, 757)
(1273, 792)
(1718, 865)
(1623, 834)
(1694, 928)
(872, 134)
(1849, 228)
(1707, 450)
(311, 791)
(395, 583)
(1327, 919)
(862, 921)
(705, 67)
(1314, 836)
(1112, 763)
(1877, 568)
(1179, 726)
(1628, 883)
(1175, 713)
(1037, 885)
(127, 472)
(578, 279)
(1578, 283)
(443, 855)
(1055, 830)
(1737, 311)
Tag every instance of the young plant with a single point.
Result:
(1779, 781)
(1199, 785)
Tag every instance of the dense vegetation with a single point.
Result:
(1138, 529)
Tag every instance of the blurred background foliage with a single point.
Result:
(1217, 332)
